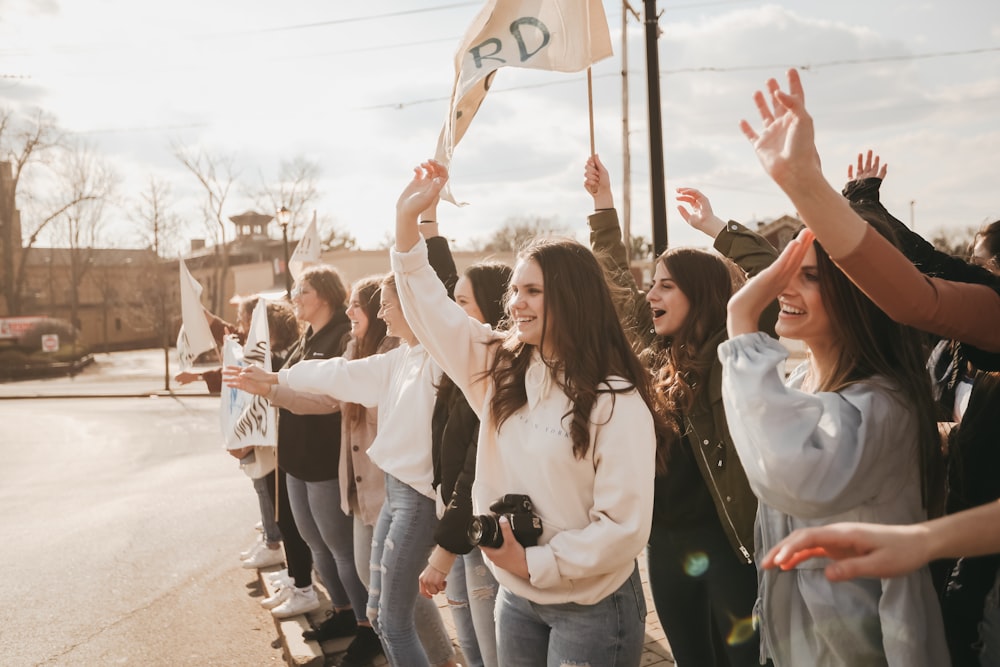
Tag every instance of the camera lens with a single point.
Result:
(484, 531)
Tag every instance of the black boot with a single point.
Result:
(340, 624)
(365, 648)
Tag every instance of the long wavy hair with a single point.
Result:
(872, 344)
(707, 280)
(369, 293)
(582, 328)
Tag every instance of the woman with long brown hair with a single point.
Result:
(849, 436)
(700, 556)
(565, 407)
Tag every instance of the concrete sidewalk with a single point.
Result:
(301, 653)
(128, 374)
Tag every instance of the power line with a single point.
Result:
(355, 19)
(834, 63)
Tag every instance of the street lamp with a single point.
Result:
(284, 216)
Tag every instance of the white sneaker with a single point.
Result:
(278, 576)
(300, 601)
(265, 557)
(280, 595)
(259, 527)
(253, 549)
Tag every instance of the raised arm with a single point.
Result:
(606, 242)
(786, 148)
(459, 344)
(749, 250)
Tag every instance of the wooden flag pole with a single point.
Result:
(590, 107)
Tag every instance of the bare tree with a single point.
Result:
(956, 242)
(157, 304)
(338, 239)
(216, 175)
(89, 182)
(517, 232)
(296, 189)
(30, 146)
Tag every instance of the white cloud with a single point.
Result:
(225, 82)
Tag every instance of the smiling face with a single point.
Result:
(670, 305)
(527, 302)
(309, 307)
(466, 298)
(357, 315)
(391, 313)
(803, 315)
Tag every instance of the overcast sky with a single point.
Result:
(362, 88)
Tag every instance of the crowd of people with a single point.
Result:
(515, 437)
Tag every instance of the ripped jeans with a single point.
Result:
(472, 592)
(403, 539)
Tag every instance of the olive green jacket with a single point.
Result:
(706, 428)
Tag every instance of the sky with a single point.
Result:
(361, 89)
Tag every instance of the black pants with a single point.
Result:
(704, 595)
(297, 553)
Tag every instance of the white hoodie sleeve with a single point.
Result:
(458, 343)
(361, 381)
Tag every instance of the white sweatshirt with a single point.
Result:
(596, 511)
(401, 383)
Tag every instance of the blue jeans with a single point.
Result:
(430, 628)
(330, 536)
(607, 634)
(403, 539)
(272, 534)
(472, 593)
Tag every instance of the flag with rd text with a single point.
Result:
(195, 336)
(558, 35)
(248, 419)
(306, 252)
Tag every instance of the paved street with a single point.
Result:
(125, 520)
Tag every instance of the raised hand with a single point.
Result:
(423, 191)
(251, 379)
(597, 181)
(420, 193)
(745, 307)
(858, 549)
(786, 145)
(867, 167)
(701, 216)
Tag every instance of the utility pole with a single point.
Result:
(626, 154)
(657, 182)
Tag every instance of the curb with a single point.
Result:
(148, 394)
(297, 651)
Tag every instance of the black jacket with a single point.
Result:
(309, 445)
(863, 196)
(454, 433)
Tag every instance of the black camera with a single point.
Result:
(484, 530)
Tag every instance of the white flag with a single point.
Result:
(559, 35)
(248, 419)
(306, 252)
(195, 336)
